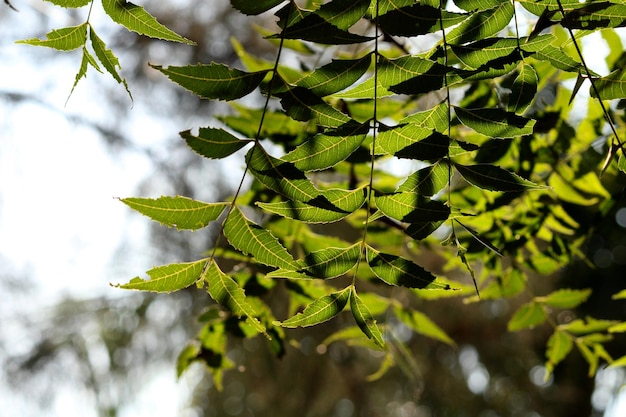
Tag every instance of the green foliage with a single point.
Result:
(500, 185)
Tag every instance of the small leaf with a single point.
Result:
(302, 105)
(179, 212)
(213, 143)
(618, 363)
(335, 76)
(64, 39)
(495, 122)
(167, 278)
(494, 178)
(621, 295)
(481, 25)
(523, 90)
(228, 293)
(565, 298)
(280, 176)
(331, 262)
(86, 60)
(413, 142)
(214, 81)
(527, 316)
(251, 239)
(70, 3)
(343, 13)
(320, 310)
(422, 324)
(559, 346)
(590, 325)
(417, 19)
(254, 7)
(481, 239)
(412, 208)
(314, 28)
(427, 181)
(325, 150)
(107, 58)
(137, 19)
(613, 86)
(364, 319)
(395, 270)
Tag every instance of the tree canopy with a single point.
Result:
(398, 154)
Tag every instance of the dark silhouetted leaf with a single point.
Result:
(213, 143)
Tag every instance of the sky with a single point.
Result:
(60, 221)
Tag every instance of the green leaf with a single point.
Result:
(618, 363)
(186, 356)
(254, 7)
(214, 81)
(613, 86)
(332, 205)
(280, 176)
(335, 76)
(481, 25)
(213, 143)
(559, 59)
(137, 19)
(565, 298)
(180, 212)
(86, 60)
(301, 104)
(412, 142)
(320, 310)
(364, 319)
(495, 122)
(395, 270)
(559, 346)
(417, 19)
(527, 316)
(314, 28)
(343, 13)
(107, 58)
(412, 207)
(168, 278)
(422, 324)
(331, 262)
(480, 53)
(251, 239)
(64, 39)
(70, 3)
(435, 118)
(523, 90)
(229, 294)
(427, 181)
(494, 178)
(480, 239)
(327, 149)
(590, 325)
(621, 295)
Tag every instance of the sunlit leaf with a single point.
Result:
(565, 298)
(320, 310)
(417, 19)
(494, 178)
(412, 142)
(395, 270)
(559, 346)
(315, 28)
(254, 7)
(252, 239)
(422, 324)
(107, 58)
(64, 39)
(427, 181)
(331, 262)
(213, 143)
(343, 13)
(613, 86)
(483, 24)
(495, 122)
(523, 90)
(590, 325)
(559, 59)
(70, 3)
(411, 207)
(364, 319)
(527, 316)
(168, 278)
(229, 294)
(213, 81)
(481, 5)
(335, 76)
(301, 104)
(137, 19)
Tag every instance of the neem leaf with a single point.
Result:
(422, 324)
(411, 207)
(565, 298)
(86, 60)
(320, 310)
(395, 270)
(527, 316)
(612, 86)
(214, 81)
(331, 206)
(302, 105)
(64, 39)
(427, 181)
(559, 346)
(495, 122)
(168, 278)
(213, 143)
(251, 239)
(331, 262)
(494, 178)
(280, 176)
(364, 319)
(70, 3)
(413, 142)
(523, 90)
(327, 149)
(107, 58)
(228, 293)
(180, 212)
(254, 7)
(343, 13)
(418, 19)
(335, 76)
(481, 25)
(137, 19)
(315, 28)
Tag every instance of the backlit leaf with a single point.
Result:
(590, 325)
(494, 178)
(251, 239)
(343, 13)
(481, 25)
(137, 19)
(335, 76)
(427, 181)
(412, 142)
(254, 7)
(523, 90)
(495, 122)
(314, 28)
(168, 278)
(107, 58)
(320, 310)
(301, 104)
(395, 270)
(364, 319)
(64, 39)
(565, 298)
(331, 262)
(214, 81)
(179, 212)
(70, 3)
(527, 316)
(411, 207)
(417, 19)
(213, 143)
(613, 86)
(558, 347)
(559, 59)
(422, 324)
